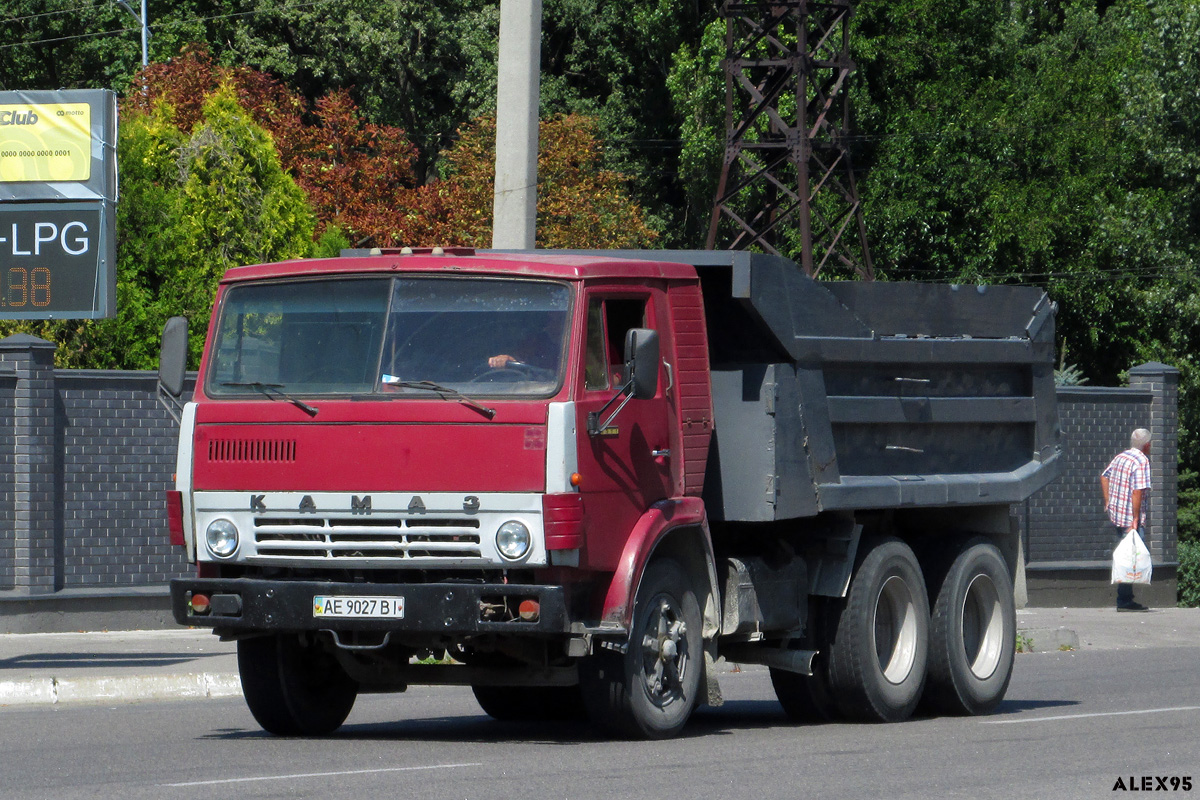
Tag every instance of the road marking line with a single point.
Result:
(318, 775)
(1083, 716)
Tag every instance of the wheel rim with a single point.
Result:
(895, 629)
(983, 627)
(664, 652)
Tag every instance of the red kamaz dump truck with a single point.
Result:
(571, 481)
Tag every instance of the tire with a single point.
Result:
(294, 689)
(531, 703)
(650, 690)
(880, 639)
(258, 667)
(972, 637)
(805, 698)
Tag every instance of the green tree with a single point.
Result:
(233, 205)
(697, 86)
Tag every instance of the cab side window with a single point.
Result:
(608, 321)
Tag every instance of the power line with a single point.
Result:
(70, 38)
(52, 13)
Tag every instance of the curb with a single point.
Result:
(133, 689)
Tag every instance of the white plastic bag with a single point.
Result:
(1131, 560)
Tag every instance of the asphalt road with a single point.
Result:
(1073, 724)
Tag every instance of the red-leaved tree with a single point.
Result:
(357, 175)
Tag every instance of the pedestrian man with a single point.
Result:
(1125, 483)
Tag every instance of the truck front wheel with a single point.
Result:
(293, 687)
(972, 633)
(649, 691)
(880, 640)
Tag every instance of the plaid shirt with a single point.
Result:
(1126, 473)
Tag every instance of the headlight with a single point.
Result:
(221, 538)
(512, 540)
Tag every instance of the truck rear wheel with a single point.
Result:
(294, 688)
(880, 640)
(972, 633)
(530, 703)
(650, 690)
(805, 698)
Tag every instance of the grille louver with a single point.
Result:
(252, 450)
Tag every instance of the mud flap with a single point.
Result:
(712, 688)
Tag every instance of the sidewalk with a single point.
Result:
(135, 666)
(1047, 629)
(115, 667)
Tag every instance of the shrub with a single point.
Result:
(1189, 574)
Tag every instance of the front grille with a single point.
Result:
(376, 538)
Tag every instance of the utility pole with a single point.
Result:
(518, 79)
(787, 118)
(142, 20)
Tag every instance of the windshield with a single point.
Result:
(421, 336)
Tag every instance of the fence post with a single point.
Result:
(1162, 382)
(38, 531)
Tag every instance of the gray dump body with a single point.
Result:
(856, 395)
(874, 395)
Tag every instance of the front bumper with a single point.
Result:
(243, 604)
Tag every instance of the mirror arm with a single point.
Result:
(171, 403)
(594, 424)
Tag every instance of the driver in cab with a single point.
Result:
(538, 348)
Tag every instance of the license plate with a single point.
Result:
(341, 607)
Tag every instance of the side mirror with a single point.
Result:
(172, 366)
(641, 362)
(640, 379)
(172, 356)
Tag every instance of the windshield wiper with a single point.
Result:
(275, 392)
(446, 392)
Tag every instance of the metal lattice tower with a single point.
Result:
(787, 115)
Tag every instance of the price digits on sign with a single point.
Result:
(24, 287)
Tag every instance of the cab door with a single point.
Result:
(626, 467)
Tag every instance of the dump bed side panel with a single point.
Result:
(889, 395)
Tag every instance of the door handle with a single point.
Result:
(661, 453)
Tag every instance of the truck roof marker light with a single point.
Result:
(437, 251)
(576, 479)
(406, 251)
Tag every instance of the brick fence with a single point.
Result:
(1068, 540)
(85, 457)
